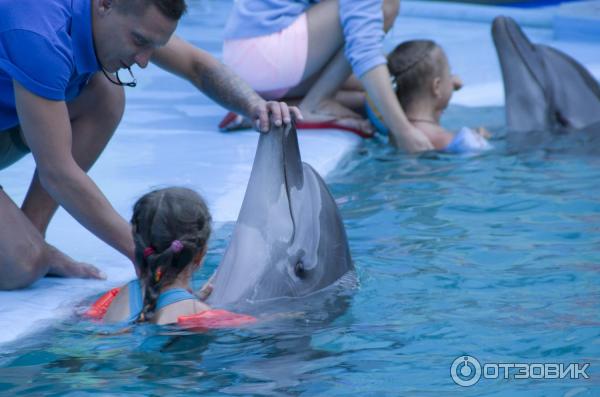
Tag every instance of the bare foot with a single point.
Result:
(330, 109)
(334, 109)
(62, 265)
(359, 123)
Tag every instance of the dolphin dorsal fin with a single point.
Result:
(291, 157)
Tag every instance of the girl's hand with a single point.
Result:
(205, 291)
(484, 132)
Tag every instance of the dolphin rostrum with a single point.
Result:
(545, 89)
(289, 239)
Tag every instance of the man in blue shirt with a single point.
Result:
(62, 98)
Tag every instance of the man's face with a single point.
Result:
(123, 39)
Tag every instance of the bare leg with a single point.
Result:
(326, 60)
(326, 42)
(95, 115)
(352, 84)
(352, 99)
(327, 69)
(352, 94)
(25, 255)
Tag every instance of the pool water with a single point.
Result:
(495, 256)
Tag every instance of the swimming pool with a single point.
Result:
(494, 256)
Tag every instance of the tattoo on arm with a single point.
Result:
(228, 89)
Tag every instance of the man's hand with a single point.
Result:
(222, 85)
(263, 113)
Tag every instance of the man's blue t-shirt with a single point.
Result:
(47, 46)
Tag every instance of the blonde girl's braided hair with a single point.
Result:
(412, 65)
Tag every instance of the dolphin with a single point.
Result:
(546, 91)
(289, 240)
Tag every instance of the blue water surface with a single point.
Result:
(494, 256)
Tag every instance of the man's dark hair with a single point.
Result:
(412, 65)
(172, 9)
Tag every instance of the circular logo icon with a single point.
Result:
(465, 371)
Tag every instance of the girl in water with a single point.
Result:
(171, 228)
(424, 84)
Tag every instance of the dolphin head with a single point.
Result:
(545, 89)
(289, 239)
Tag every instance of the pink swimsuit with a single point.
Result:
(271, 64)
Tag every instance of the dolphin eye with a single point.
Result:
(299, 270)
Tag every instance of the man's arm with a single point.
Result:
(47, 130)
(219, 83)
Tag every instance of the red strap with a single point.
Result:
(215, 318)
(331, 124)
(229, 117)
(99, 308)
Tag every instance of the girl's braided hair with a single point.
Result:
(412, 65)
(160, 218)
